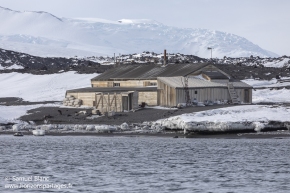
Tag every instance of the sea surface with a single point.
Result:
(143, 164)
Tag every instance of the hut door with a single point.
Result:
(247, 98)
(130, 101)
(125, 103)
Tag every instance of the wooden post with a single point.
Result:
(109, 105)
(102, 100)
(121, 99)
(98, 102)
(115, 101)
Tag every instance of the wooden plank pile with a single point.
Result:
(72, 101)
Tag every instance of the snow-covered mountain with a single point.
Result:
(43, 34)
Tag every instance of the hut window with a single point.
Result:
(153, 83)
(116, 84)
(195, 92)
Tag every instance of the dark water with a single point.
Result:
(145, 164)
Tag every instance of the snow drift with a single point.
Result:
(248, 117)
(50, 87)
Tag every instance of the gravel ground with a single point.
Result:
(56, 115)
(14, 101)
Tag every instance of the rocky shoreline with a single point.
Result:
(260, 135)
(59, 120)
(64, 115)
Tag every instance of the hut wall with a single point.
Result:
(150, 98)
(214, 94)
(251, 95)
(135, 96)
(202, 94)
(108, 102)
(99, 83)
(166, 95)
(244, 95)
(124, 83)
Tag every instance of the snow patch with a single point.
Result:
(136, 21)
(49, 87)
(15, 66)
(277, 64)
(248, 117)
(271, 95)
(159, 107)
(12, 113)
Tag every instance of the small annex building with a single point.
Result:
(126, 87)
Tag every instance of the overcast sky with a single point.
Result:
(263, 22)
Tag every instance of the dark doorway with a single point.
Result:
(130, 101)
(125, 103)
(247, 96)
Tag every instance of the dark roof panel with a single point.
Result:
(149, 71)
(215, 75)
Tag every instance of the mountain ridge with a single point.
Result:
(257, 67)
(71, 37)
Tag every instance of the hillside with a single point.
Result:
(11, 61)
(240, 68)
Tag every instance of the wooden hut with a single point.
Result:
(171, 90)
(161, 85)
(108, 99)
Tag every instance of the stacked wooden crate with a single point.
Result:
(72, 101)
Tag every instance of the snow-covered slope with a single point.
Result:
(270, 91)
(50, 87)
(12, 113)
(42, 34)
